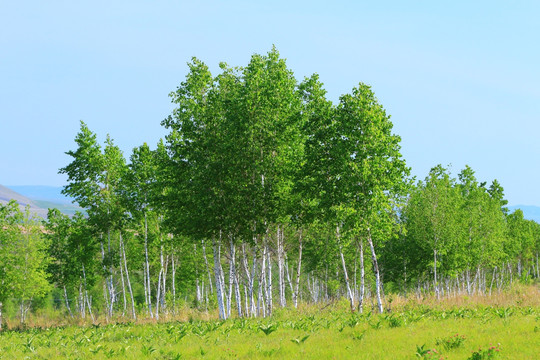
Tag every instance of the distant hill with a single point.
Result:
(39, 198)
(40, 192)
(529, 212)
(7, 194)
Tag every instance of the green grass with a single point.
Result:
(307, 334)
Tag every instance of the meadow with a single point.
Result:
(504, 325)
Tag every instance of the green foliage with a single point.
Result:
(268, 328)
(492, 352)
(423, 353)
(23, 256)
(451, 342)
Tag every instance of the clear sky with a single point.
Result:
(461, 79)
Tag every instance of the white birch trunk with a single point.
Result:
(435, 280)
(173, 263)
(161, 297)
(237, 293)
(263, 290)
(269, 302)
(123, 285)
(67, 302)
(298, 269)
(249, 283)
(345, 274)
(362, 279)
(158, 295)
(128, 280)
(280, 256)
(106, 284)
(377, 273)
(146, 277)
(219, 288)
(112, 293)
(86, 295)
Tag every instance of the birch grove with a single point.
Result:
(263, 195)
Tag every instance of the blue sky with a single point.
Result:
(460, 79)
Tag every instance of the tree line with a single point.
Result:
(264, 193)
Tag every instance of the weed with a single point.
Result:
(395, 321)
(359, 336)
(490, 353)
(451, 342)
(147, 350)
(428, 354)
(299, 341)
(376, 325)
(268, 329)
(29, 344)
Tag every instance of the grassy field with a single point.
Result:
(454, 327)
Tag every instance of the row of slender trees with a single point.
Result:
(265, 193)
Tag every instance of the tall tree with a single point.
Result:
(23, 258)
(94, 181)
(432, 216)
(358, 168)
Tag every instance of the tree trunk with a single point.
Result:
(174, 282)
(128, 280)
(231, 278)
(269, 299)
(435, 280)
(147, 283)
(537, 268)
(106, 284)
(298, 269)
(219, 290)
(263, 290)
(163, 271)
(112, 293)
(248, 283)
(67, 302)
(281, 270)
(158, 295)
(362, 278)
(86, 294)
(345, 274)
(237, 294)
(123, 283)
(377, 273)
(296, 288)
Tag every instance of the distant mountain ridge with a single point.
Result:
(7, 194)
(39, 198)
(41, 192)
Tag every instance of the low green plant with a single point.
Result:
(359, 336)
(492, 352)
(429, 354)
(268, 329)
(451, 342)
(299, 341)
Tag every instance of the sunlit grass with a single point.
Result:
(311, 332)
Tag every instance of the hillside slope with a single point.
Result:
(47, 197)
(7, 194)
